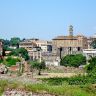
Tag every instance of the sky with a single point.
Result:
(46, 19)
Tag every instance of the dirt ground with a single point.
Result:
(51, 75)
(60, 71)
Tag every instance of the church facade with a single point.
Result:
(69, 44)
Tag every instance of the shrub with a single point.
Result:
(12, 61)
(73, 60)
(92, 64)
(20, 51)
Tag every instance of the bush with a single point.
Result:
(77, 80)
(20, 51)
(1, 60)
(43, 88)
(12, 61)
(73, 60)
(54, 81)
(37, 65)
(92, 64)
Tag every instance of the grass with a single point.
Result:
(58, 90)
(62, 90)
(3, 84)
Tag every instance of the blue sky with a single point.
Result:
(46, 19)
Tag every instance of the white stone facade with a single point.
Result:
(89, 53)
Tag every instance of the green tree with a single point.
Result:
(73, 60)
(14, 41)
(91, 70)
(37, 65)
(20, 51)
(24, 53)
(93, 44)
(6, 44)
(92, 64)
(11, 61)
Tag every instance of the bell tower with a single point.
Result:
(70, 30)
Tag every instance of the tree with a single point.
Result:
(93, 44)
(20, 51)
(92, 64)
(11, 61)
(14, 41)
(24, 53)
(3, 52)
(91, 69)
(41, 66)
(37, 65)
(73, 60)
(6, 44)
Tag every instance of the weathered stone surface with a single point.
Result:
(18, 92)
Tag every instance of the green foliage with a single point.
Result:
(90, 88)
(14, 41)
(37, 65)
(42, 65)
(54, 81)
(92, 64)
(20, 51)
(77, 80)
(92, 75)
(34, 64)
(6, 42)
(11, 61)
(1, 60)
(73, 60)
(91, 70)
(93, 44)
(59, 90)
(3, 83)
(6, 48)
(23, 52)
